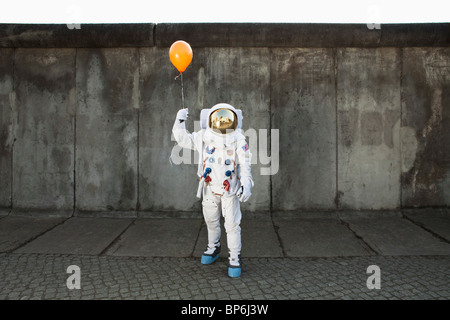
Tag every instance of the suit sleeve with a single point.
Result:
(182, 136)
(244, 157)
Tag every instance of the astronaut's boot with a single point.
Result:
(211, 254)
(234, 266)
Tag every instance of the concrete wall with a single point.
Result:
(6, 89)
(368, 118)
(86, 115)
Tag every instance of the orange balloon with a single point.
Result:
(180, 54)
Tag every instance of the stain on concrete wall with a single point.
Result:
(426, 116)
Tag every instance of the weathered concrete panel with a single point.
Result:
(415, 34)
(303, 110)
(107, 126)
(6, 88)
(303, 35)
(236, 76)
(266, 34)
(44, 129)
(73, 36)
(426, 127)
(368, 103)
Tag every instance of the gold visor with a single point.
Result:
(223, 121)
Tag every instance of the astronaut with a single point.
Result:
(225, 178)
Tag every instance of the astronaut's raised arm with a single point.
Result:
(181, 135)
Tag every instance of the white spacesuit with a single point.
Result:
(225, 177)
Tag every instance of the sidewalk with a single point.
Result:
(286, 256)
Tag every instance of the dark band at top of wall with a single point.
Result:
(224, 35)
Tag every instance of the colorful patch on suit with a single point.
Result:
(210, 151)
(227, 162)
(230, 152)
(245, 148)
(211, 160)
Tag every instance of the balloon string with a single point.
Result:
(182, 88)
(182, 91)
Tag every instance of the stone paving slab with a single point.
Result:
(438, 226)
(158, 238)
(17, 230)
(259, 239)
(318, 237)
(436, 221)
(397, 236)
(78, 236)
(44, 276)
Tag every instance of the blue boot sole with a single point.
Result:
(234, 272)
(208, 259)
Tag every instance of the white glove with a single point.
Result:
(182, 114)
(244, 194)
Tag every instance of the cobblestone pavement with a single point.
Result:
(44, 276)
